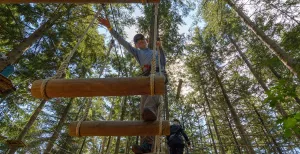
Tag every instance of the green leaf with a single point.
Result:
(297, 116)
(279, 121)
(287, 133)
(290, 123)
(296, 130)
(272, 103)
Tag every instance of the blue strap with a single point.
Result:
(8, 70)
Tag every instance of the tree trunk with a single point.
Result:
(276, 146)
(179, 89)
(255, 74)
(117, 145)
(213, 120)
(108, 145)
(260, 81)
(82, 145)
(128, 141)
(58, 127)
(209, 128)
(17, 51)
(232, 132)
(122, 118)
(28, 125)
(103, 150)
(151, 30)
(288, 61)
(200, 134)
(68, 139)
(104, 140)
(234, 115)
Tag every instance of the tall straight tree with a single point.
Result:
(285, 58)
(234, 115)
(68, 139)
(58, 127)
(255, 74)
(123, 109)
(17, 51)
(267, 131)
(260, 81)
(209, 128)
(213, 118)
(202, 45)
(41, 105)
(237, 144)
(24, 131)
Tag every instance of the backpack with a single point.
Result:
(175, 137)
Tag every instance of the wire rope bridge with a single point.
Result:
(152, 85)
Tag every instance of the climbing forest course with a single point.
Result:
(75, 77)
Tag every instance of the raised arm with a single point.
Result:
(185, 136)
(120, 39)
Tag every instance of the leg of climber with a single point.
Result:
(146, 145)
(148, 108)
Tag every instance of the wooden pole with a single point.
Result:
(79, 1)
(97, 87)
(119, 128)
(179, 89)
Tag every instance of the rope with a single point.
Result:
(43, 89)
(65, 63)
(153, 62)
(152, 78)
(159, 64)
(88, 106)
(111, 45)
(78, 127)
(157, 142)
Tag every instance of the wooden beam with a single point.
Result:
(97, 87)
(179, 89)
(6, 85)
(79, 1)
(15, 143)
(119, 128)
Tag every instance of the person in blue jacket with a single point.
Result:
(149, 104)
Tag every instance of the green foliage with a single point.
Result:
(290, 125)
(289, 38)
(208, 53)
(282, 91)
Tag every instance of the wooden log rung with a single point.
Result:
(15, 143)
(78, 1)
(119, 128)
(97, 87)
(5, 85)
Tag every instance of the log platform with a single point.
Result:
(119, 128)
(97, 87)
(6, 85)
(15, 143)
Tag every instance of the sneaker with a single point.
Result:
(144, 148)
(148, 115)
